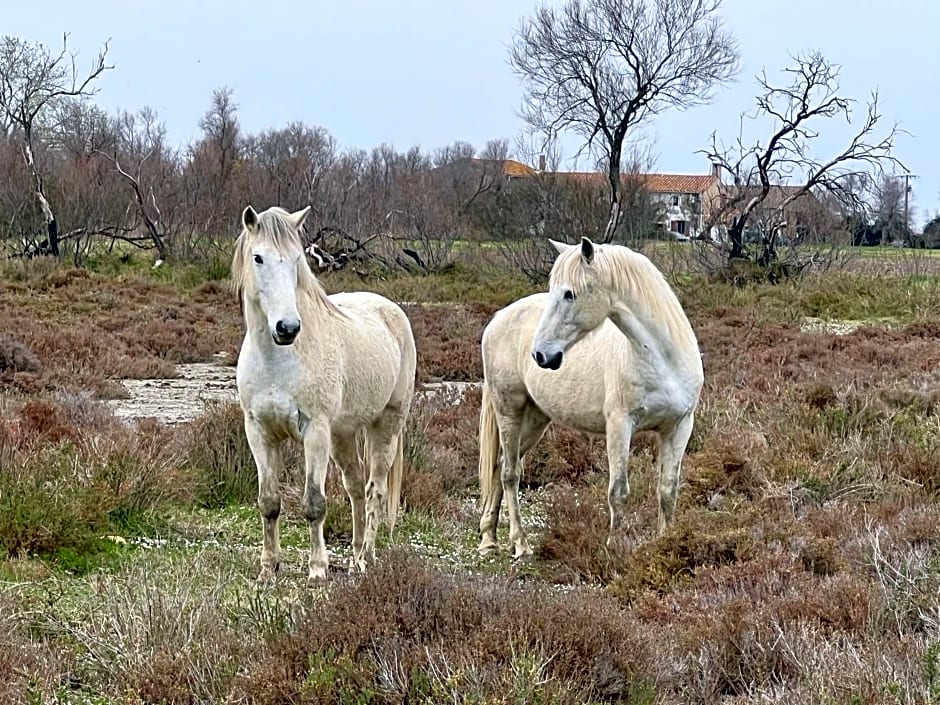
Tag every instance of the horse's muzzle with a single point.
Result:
(285, 332)
(548, 362)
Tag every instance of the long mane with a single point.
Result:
(275, 229)
(624, 270)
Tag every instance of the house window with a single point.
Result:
(675, 199)
(678, 226)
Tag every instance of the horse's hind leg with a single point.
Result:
(518, 433)
(346, 455)
(381, 449)
(671, 451)
(316, 460)
(267, 455)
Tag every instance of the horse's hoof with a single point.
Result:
(267, 577)
(317, 574)
(619, 545)
(522, 553)
(488, 547)
(357, 564)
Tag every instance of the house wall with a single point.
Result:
(686, 207)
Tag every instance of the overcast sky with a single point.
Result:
(429, 72)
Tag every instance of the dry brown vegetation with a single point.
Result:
(802, 566)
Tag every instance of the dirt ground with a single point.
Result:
(183, 398)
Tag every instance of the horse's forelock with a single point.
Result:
(570, 270)
(275, 228)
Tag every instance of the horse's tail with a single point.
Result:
(395, 473)
(393, 497)
(489, 447)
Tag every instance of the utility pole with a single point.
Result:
(907, 194)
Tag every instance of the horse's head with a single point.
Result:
(269, 265)
(576, 305)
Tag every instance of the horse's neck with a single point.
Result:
(654, 340)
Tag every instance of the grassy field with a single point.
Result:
(803, 565)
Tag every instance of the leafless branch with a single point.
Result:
(797, 111)
(152, 224)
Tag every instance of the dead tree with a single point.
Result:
(32, 81)
(603, 68)
(145, 205)
(796, 111)
(140, 157)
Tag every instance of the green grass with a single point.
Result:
(803, 559)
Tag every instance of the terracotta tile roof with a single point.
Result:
(511, 167)
(776, 196)
(678, 183)
(654, 183)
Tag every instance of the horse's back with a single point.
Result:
(375, 310)
(379, 346)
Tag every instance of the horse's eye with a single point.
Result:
(258, 259)
(569, 295)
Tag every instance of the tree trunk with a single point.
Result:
(52, 227)
(613, 180)
(768, 253)
(736, 235)
(612, 221)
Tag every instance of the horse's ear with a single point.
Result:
(297, 219)
(250, 219)
(559, 246)
(587, 250)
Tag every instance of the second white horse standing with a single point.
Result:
(608, 350)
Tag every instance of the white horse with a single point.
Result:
(608, 350)
(332, 372)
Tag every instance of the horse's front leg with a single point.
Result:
(267, 455)
(619, 435)
(316, 460)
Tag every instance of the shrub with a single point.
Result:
(15, 356)
(62, 489)
(407, 633)
(218, 458)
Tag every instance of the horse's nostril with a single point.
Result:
(286, 329)
(539, 358)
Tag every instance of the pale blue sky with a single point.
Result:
(429, 72)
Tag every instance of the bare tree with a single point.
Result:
(457, 152)
(142, 159)
(33, 80)
(211, 167)
(220, 128)
(602, 68)
(86, 189)
(288, 164)
(795, 111)
(891, 219)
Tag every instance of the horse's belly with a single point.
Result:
(578, 403)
